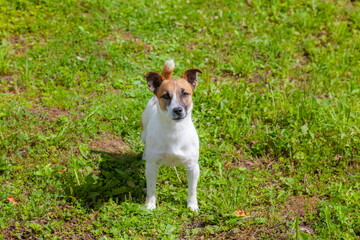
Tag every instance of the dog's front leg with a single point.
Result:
(151, 173)
(193, 172)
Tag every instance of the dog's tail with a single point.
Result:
(168, 69)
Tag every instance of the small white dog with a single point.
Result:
(168, 133)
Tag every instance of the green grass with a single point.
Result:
(277, 111)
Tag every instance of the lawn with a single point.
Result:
(277, 110)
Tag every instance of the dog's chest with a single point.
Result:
(172, 151)
(171, 159)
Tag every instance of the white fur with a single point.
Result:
(170, 143)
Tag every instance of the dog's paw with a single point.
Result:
(150, 202)
(150, 206)
(192, 203)
(193, 207)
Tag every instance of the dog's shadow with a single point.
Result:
(120, 176)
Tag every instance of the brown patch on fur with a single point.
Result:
(165, 88)
(167, 72)
(172, 86)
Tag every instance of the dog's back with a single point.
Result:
(146, 115)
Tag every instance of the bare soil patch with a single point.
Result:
(122, 35)
(48, 113)
(73, 229)
(8, 84)
(299, 206)
(240, 160)
(261, 231)
(108, 143)
(19, 45)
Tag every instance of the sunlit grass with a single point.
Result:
(277, 112)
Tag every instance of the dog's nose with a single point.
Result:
(178, 110)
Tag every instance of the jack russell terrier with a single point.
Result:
(168, 133)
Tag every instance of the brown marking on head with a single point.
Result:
(173, 93)
(179, 88)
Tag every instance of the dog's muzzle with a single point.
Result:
(178, 113)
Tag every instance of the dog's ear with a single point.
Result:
(191, 76)
(154, 80)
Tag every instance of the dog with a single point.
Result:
(168, 132)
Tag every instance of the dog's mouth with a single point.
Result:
(178, 118)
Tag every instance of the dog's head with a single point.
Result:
(174, 95)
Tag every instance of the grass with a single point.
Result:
(277, 111)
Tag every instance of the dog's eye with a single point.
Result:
(166, 96)
(185, 94)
